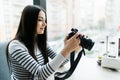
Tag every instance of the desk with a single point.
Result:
(88, 69)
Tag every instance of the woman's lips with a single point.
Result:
(42, 28)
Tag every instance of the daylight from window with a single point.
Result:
(99, 20)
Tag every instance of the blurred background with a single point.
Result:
(100, 20)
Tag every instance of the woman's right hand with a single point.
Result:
(70, 44)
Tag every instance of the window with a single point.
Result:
(10, 13)
(97, 19)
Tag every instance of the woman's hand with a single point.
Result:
(76, 49)
(71, 44)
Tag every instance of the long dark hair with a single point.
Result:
(27, 34)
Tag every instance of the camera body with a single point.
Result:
(85, 42)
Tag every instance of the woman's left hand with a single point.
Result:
(77, 48)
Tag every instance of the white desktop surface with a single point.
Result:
(88, 69)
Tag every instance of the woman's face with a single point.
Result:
(41, 24)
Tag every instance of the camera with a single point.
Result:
(85, 42)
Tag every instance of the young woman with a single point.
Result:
(28, 52)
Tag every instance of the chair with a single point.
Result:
(4, 70)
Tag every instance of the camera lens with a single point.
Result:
(86, 43)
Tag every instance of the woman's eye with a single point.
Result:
(39, 20)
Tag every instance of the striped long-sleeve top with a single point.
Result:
(25, 67)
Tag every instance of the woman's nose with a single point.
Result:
(44, 24)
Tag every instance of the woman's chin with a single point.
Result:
(41, 33)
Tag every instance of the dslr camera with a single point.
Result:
(85, 42)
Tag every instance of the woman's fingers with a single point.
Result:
(75, 35)
(66, 38)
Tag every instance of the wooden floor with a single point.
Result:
(88, 69)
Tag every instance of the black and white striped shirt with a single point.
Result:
(24, 67)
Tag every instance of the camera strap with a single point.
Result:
(73, 65)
